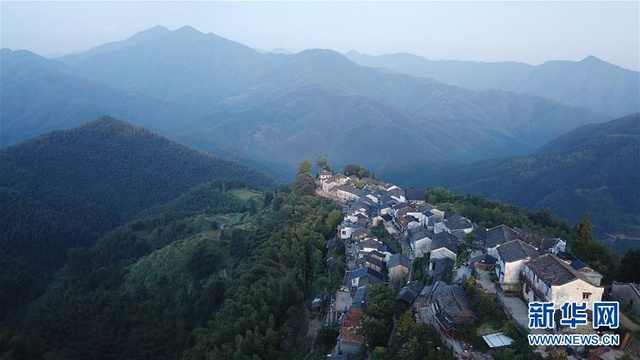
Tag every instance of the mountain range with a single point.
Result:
(224, 97)
(590, 83)
(593, 169)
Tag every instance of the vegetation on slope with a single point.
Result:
(592, 169)
(68, 188)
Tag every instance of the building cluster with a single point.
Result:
(525, 265)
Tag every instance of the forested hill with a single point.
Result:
(67, 188)
(106, 171)
(594, 169)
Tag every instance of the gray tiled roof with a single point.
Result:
(445, 240)
(410, 292)
(499, 235)
(516, 250)
(452, 301)
(416, 195)
(399, 260)
(553, 271)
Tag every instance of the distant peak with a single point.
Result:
(188, 29)
(590, 59)
(352, 52)
(159, 28)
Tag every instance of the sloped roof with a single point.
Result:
(452, 301)
(351, 322)
(515, 250)
(499, 235)
(441, 268)
(361, 298)
(553, 270)
(415, 195)
(444, 240)
(484, 259)
(399, 260)
(349, 189)
(410, 292)
(366, 271)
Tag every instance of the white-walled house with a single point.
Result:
(419, 240)
(549, 278)
(510, 262)
(444, 245)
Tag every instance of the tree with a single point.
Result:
(357, 170)
(305, 167)
(322, 163)
(629, 267)
(304, 183)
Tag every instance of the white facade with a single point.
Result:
(441, 253)
(421, 246)
(577, 290)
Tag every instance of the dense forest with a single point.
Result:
(178, 284)
(68, 188)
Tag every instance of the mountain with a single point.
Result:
(106, 171)
(139, 38)
(39, 95)
(67, 188)
(592, 169)
(590, 83)
(281, 108)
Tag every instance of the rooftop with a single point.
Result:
(516, 250)
(553, 271)
(499, 235)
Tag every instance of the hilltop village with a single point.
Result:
(433, 260)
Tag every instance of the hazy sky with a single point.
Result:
(530, 32)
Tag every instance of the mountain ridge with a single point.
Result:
(562, 80)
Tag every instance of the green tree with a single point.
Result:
(629, 266)
(357, 170)
(305, 167)
(322, 163)
(304, 183)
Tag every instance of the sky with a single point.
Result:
(522, 31)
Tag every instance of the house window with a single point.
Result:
(586, 296)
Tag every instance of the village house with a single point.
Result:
(450, 308)
(443, 245)
(498, 235)
(351, 339)
(396, 194)
(361, 298)
(345, 193)
(325, 174)
(627, 294)
(360, 278)
(440, 268)
(415, 196)
(590, 274)
(420, 241)
(553, 245)
(332, 182)
(370, 244)
(549, 278)
(398, 266)
(375, 184)
(454, 222)
(361, 234)
(510, 262)
(372, 261)
(408, 294)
